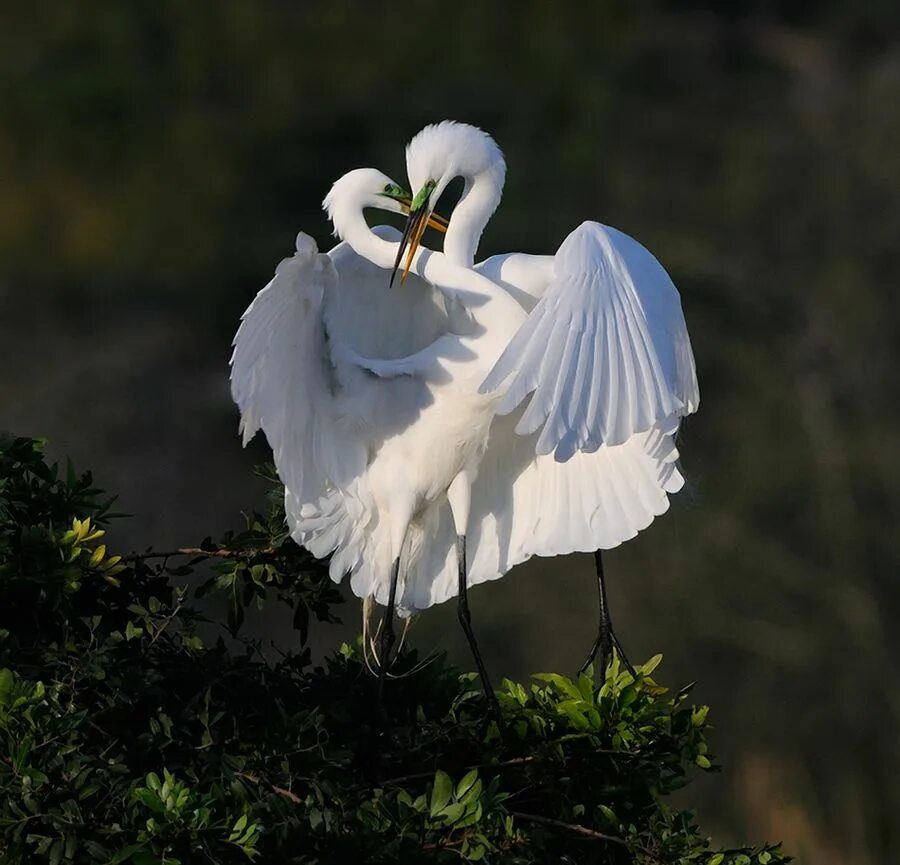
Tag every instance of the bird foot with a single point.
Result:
(493, 715)
(606, 643)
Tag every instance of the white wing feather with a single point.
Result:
(526, 505)
(604, 354)
(292, 373)
(282, 377)
(293, 376)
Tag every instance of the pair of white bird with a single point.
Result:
(433, 434)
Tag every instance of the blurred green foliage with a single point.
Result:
(125, 737)
(162, 156)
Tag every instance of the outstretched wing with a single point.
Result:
(282, 377)
(604, 354)
(293, 375)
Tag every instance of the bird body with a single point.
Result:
(527, 404)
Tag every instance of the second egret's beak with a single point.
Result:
(435, 220)
(420, 216)
(405, 200)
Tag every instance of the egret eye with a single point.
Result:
(389, 188)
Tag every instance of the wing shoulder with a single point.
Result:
(523, 276)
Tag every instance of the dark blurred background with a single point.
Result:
(157, 159)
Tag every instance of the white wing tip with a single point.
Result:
(247, 429)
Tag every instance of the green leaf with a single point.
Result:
(476, 853)
(239, 825)
(628, 696)
(609, 815)
(572, 709)
(466, 783)
(561, 683)
(56, 851)
(126, 853)
(441, 792)
(585, 687)
(193, 642)
(6, 684)
(698, 715)
(651, 665)
(451, 813)
(150, 799)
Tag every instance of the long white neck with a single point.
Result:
(488, 305)
(479, 200)
(351, 226)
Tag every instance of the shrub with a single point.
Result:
(128, 737)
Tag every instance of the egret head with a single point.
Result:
(365, 188)
(434, 157)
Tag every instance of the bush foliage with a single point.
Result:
(127, 735)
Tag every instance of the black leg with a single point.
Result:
(465, 619)
(387, 630)
(606, 637)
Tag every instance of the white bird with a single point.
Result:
(604, 356)
(395, 415)
(362, 458)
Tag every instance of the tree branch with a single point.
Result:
(418, 776)
(515, 761)
(198, 552)
(570, 827)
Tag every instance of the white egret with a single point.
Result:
(393, 414)
(368, 461)
(604, 354)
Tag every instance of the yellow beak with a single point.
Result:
(420, 217)
(435, 220)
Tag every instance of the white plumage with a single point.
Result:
(528, 403)
(605, 353)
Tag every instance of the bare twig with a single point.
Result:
(166, 622)
(593, 834)
(418, 776)
(515, 761)
(287, 794)
(197, 552)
